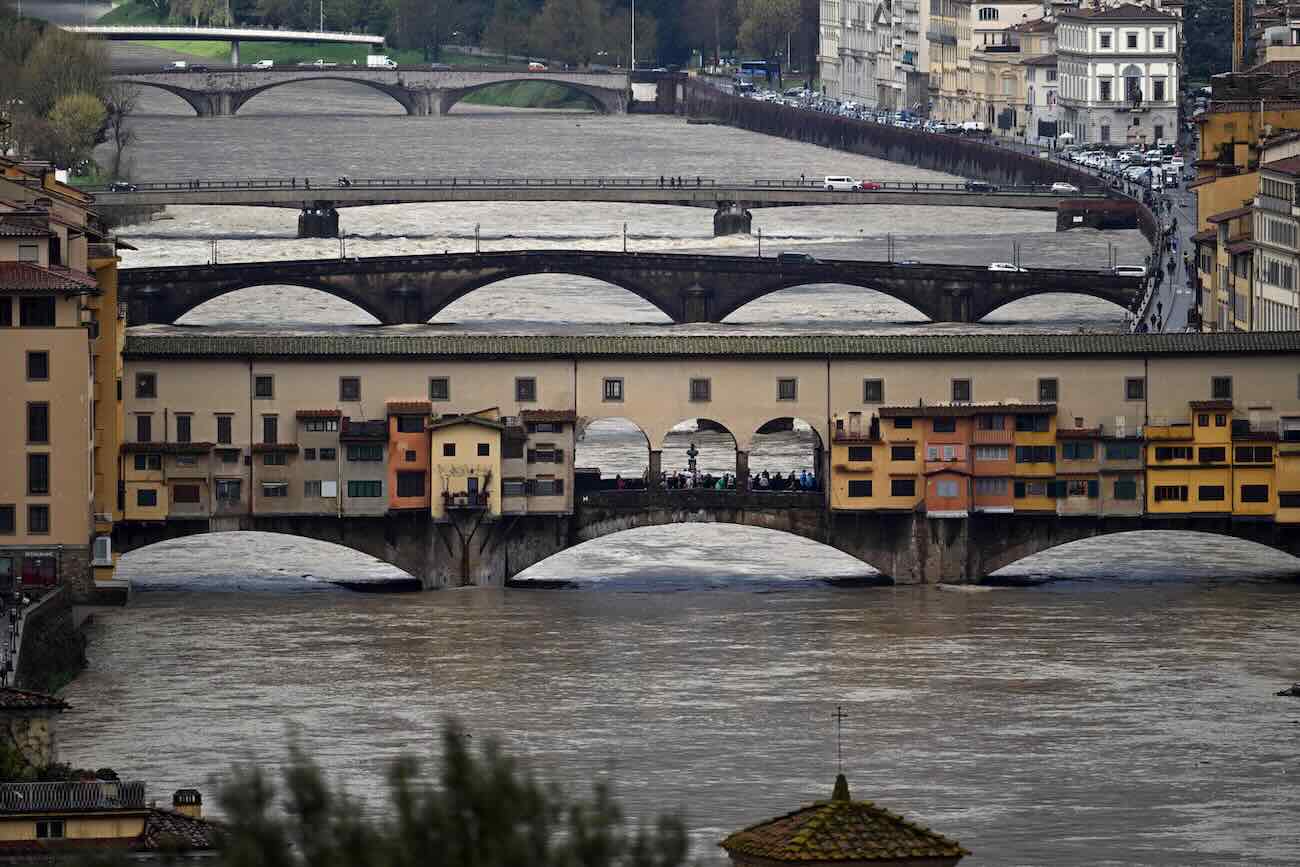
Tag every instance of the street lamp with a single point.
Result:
(631, 66)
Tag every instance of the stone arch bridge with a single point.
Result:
(687, 288)
(421, 91)
(907, 547)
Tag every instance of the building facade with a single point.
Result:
(1275, 299)
(1119, 73)
(60, 338)
(948, 42)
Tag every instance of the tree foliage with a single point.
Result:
(1207, 38)
(486, 810)
(766, 25)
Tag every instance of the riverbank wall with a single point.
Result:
(51, 650)
(957, 155)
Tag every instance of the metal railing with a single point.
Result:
(52, 797)
(465, 501)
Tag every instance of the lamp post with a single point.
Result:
(631, 64)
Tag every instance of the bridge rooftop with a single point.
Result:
(376, 343)
(219, 34)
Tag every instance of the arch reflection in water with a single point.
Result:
(699, 557)
(256, 561)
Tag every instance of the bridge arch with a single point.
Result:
(788, 446)
(716, 447)
(168, 307)
(401, 96)
(908, 307)
(200, 102)
(603, 300)
(1112, 297)
(601, 100)
(666, 302)
(903, 292)
(616, 446)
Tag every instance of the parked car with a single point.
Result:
(262, 64)
(1062, 187)
(840, 183)
(535, 66)
(870, 185)
(198, 67)
(1129, 271)
(122, 187)
(1007, 266)
(788, 258)
(442, 67)
(980, 187)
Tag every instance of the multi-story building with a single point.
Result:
(872, 53)
(1275, 299)
(992, 20)
(1119, 72)
(948, 42)
(60, 341)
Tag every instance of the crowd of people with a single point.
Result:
(763, 481)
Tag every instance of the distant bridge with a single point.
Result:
(420, 90)
(233, 35)
(687, 288)
(731, 200)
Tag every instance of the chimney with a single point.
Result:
(188, 802)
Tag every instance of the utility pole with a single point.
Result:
(322, 16)
(631, 65)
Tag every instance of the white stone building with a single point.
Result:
(872, 52)
(1118, 75)
(1276, 302)
(990, 21)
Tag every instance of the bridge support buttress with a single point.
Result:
(731, 218)
(321, 220)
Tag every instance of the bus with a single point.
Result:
(760, 72)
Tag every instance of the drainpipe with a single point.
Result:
(252, 499)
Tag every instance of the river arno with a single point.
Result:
(1123, 715)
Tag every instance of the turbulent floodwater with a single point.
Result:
(1121, 713)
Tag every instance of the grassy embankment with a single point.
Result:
(522, 94)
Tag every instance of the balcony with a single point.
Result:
(465, 501)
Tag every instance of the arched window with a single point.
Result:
(988, 14)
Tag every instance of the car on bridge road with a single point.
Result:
(840, 183)
(870, 185)
(122, 187)
(789, 258)
(1063, 187)
(1007, 266)
(262, 64)
(981, 187)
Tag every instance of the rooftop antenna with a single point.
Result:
(840, 717)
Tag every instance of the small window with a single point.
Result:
(275, 489)
(184, 428)
(1135, 388)
(7, 520)
(224, 429)
(1285, 500)
(449, 450)
(311, 489)
(526, 389)
(1221, 388)
(859, 487)
(1220, 420)
(275, 459)
(1171, 494)
(1123, 451)
(484, 450)
(264, 387)
(787, 389)
(309, 454)
(146, 498)
(144, 428)
(1131, 40)
(38, 475)
(961, 391)
(903, 423)
(1216, 455)
(38, 520)
(49, 829)
(902, 487)
(6, 313)
(1254, 493)
(902, 453)
(1126, 489)
(860, 453)
(701, 390)
(1210, 493)
(349, 388)
(945, 425)
(270, 428)
(38, 423)
(185, 494)
(439, 388)
(411, 456)
(329, 454)
(1105, 40)
(410, 483)
(1158, 42)
(1047, 390)
(366, 489)
(36, 312)
(227, 490)
(410, 424)
(514, 487)
(146, 386)
(873, 390)
(38, 365)
(613, 389)
(1203, 419)
(150, 462)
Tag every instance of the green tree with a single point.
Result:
(74, 122)
(567, 30)
(1207, 38)
(121, 105)
(61, 64)
(615, 38)
(508, 29)
(765, 25)
(485, 811)
(710, 26)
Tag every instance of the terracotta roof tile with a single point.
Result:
(23, 225)
(1207, 235)
(167, 448)
(12, 698)
(163, 829)
(944, 410)
(377, 343)
(548, 415)
(1210, 404)
(26, 277)
(842, 830)
(1288, 166)
(1124, 12)
(453, 420)
(275, 448)
(1224, 216)
(423, 406)
(320, 413)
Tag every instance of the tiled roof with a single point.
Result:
(945, 410)
(1040, 60)
(1207, 235)
(163, 829)
(1125, 12)
(275, 448)
(25, 699)
(548, 415)
(26, 277)
(453, 420)
(843, 830)
(1078, 433)
(320, 413)
(1288, 166)
(24, 225)
(1210, 404)
(1240, 247)
(422, 406)
(382, 345)
(1224, 216)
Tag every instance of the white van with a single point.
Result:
(1130, 271)
(840, 183)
